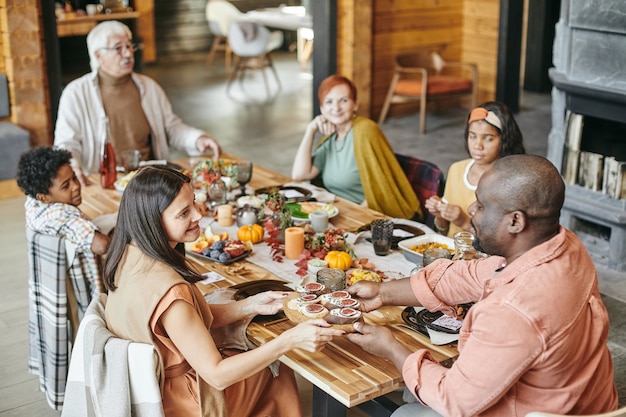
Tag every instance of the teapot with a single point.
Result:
(247, 215)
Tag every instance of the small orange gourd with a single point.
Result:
(250, 232)
(338, 259)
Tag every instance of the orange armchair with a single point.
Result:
(442, 79)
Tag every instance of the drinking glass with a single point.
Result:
(244, 174)
(382, 234)
(130, 159)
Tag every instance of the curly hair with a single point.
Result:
(511, 139)
(38, 167)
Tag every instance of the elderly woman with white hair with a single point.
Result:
(132, 106)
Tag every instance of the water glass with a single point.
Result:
(319, 221)
(382, 236)
(432, 254)
(130, 159)
(332, 278)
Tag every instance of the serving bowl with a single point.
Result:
(414, 255)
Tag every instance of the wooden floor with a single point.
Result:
(267, 134)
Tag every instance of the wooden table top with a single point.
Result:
(342, 369)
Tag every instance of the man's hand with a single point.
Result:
(379, 341)
(367, 293)
(205, 143)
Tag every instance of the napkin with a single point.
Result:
(318, 193)
(439, 338)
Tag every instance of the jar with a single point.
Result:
(217, 193)
(247, 215)
(464, 247)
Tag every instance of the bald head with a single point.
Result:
(529, 183)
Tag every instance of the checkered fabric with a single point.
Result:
(48, 327)
(426, 179)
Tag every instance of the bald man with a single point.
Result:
(536, 339)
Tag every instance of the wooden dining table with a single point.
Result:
(343, 375)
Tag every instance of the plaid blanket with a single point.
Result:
(426, 179)
(48, 330)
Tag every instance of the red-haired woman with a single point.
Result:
(354, 158)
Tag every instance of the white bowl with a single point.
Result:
(416, 257)
(314, 268)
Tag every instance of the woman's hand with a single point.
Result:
(367, 293)
(265, 303)
(322, 125)
(433, 205)
(311, 335)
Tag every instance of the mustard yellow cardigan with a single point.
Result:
(385, 184)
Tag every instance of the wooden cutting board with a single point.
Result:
(297, 317)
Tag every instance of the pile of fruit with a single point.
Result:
(218, 247)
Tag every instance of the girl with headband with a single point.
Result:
(491, 132)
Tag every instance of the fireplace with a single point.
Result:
(588, 137)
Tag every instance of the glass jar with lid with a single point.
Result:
(464, 247)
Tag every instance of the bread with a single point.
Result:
(312, 288)
(343, 316)
(296, 303)
(314, 311)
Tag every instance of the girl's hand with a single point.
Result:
(453, 214)
(266, 303)
(433, 205)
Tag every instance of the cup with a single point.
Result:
(332, 278)
(225, 215)
(432, 254)
(92, 9)
(130, 158)
(382, 235)
(319, 221)
(294, 242)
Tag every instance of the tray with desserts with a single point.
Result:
(313, 300)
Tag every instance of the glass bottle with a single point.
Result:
(108, 172)
(217, 193)
(464, 247)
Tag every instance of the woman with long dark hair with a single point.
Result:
(152, 299)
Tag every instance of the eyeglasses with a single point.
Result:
(120, 48)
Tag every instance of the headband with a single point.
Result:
(480, 113)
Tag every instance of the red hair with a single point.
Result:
(333, 81)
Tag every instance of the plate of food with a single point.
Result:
(222, 251)
(291, 193)
(336, 307)
(413, 248)
(300, 211)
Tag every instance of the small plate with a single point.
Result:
(228, 262)
(425, 319)
(331, 214)
(291, 193)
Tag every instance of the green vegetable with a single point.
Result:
(296, 211)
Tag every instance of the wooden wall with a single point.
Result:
(23, 60)
(468, 28)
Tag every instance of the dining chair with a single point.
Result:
(109, 375)
(252, 45)
(219, 15)
(426, 179)
(424, 76)
(57, 300)
(620, 412)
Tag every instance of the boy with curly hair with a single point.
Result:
(53, 196)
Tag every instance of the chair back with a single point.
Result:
(621, 412)
(426, 179)
(248, 39)
(49, 333)
(220, 14)
(108, 375)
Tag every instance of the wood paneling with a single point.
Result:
(22, 53)
(467, 28)
(146, 29)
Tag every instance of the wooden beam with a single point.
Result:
(509, 53)
(325, 49)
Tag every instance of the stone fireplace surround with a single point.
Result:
(589, 78)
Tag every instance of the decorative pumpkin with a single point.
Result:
(338, 259)
(250, 232)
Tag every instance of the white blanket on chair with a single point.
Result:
(108, 376)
